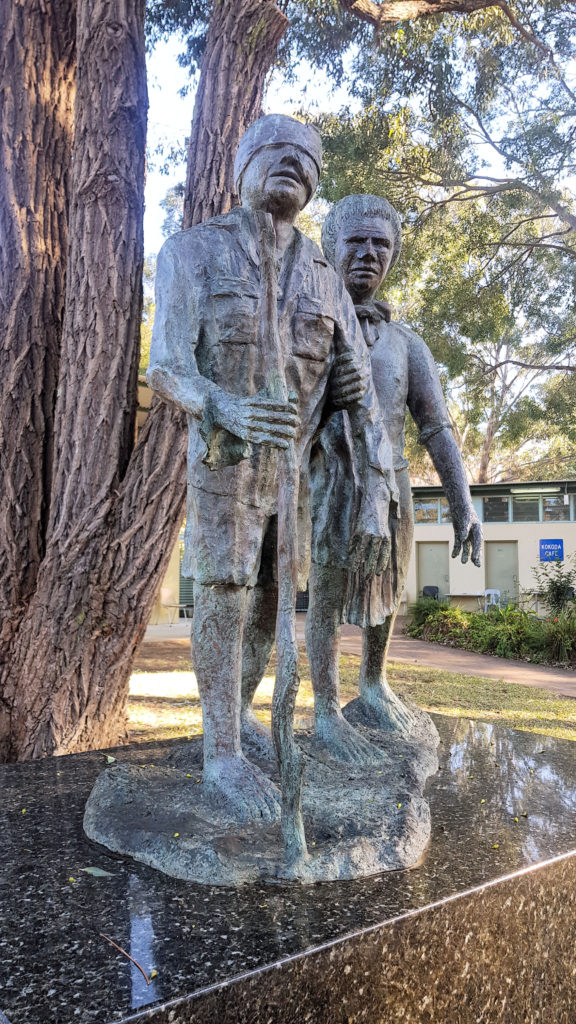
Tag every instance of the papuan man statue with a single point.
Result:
(361, 238)
(207, 358)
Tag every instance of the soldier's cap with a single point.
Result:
(277, 130)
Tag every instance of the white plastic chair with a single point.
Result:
(491, 597)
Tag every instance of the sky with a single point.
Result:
(170, 115)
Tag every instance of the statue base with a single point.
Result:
(493, 898)
(359, 821)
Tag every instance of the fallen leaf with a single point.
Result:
(97, 872)
(109, 758)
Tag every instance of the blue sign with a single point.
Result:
(551, 550)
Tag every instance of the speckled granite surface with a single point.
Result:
(504, 953)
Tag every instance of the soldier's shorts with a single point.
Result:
(230, 542)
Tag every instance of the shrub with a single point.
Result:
(418, 613)
(556, 583)
(508, 632)
(559, 636)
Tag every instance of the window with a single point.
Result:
(426, 510)
(526, 508)
(495, 510)
(555, 511)
(445, 516)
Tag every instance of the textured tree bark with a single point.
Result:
(54, 675)
(114, 514)
(240, 48)
(389, 12)
(37, 61)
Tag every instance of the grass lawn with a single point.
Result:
(165, 704)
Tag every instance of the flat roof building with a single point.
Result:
(524, 525)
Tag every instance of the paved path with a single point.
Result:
(450, 659)
(402, 648)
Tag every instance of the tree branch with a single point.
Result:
(391, 11)
(529, 37)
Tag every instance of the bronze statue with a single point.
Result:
(361, 238)
(257, 339)
(207, 358)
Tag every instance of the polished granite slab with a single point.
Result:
(501, 801)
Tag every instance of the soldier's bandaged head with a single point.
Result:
(277, 130)
(354, 207)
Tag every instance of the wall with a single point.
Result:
(467, 579)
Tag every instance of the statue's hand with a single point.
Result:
(257, 419)
(467, 534)
(369, 549)
(348, 383)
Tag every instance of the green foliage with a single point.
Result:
(421, 611)
(467, 125)
(173, 206)
(557, 584)
(508, 632)
(497, 326)
(186, 18)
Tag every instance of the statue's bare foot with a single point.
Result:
(242, 791)
(255, 736)
(383, 710)
(344, 742)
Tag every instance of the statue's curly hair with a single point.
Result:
(359, 206)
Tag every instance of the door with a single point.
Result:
(433, 566)
(502, 568)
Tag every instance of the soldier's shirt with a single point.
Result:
(206, 334)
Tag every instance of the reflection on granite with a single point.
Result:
(55, 968)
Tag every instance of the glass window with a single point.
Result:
(525, 508)
(426, 510)
(445, 516)
(555, 510)
(495, 510)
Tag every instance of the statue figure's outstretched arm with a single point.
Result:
(428, 408)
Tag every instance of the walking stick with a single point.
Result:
(287, 678)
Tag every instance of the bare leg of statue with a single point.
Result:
(323, 642)
(384, 710)
(217, 633)
(259, 636)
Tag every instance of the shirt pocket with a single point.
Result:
(313, 331)
(235, 307)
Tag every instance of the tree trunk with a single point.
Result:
(37, 61)
(113, 525)
(51, 687)
(240, 49)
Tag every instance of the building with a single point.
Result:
(524, 524)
